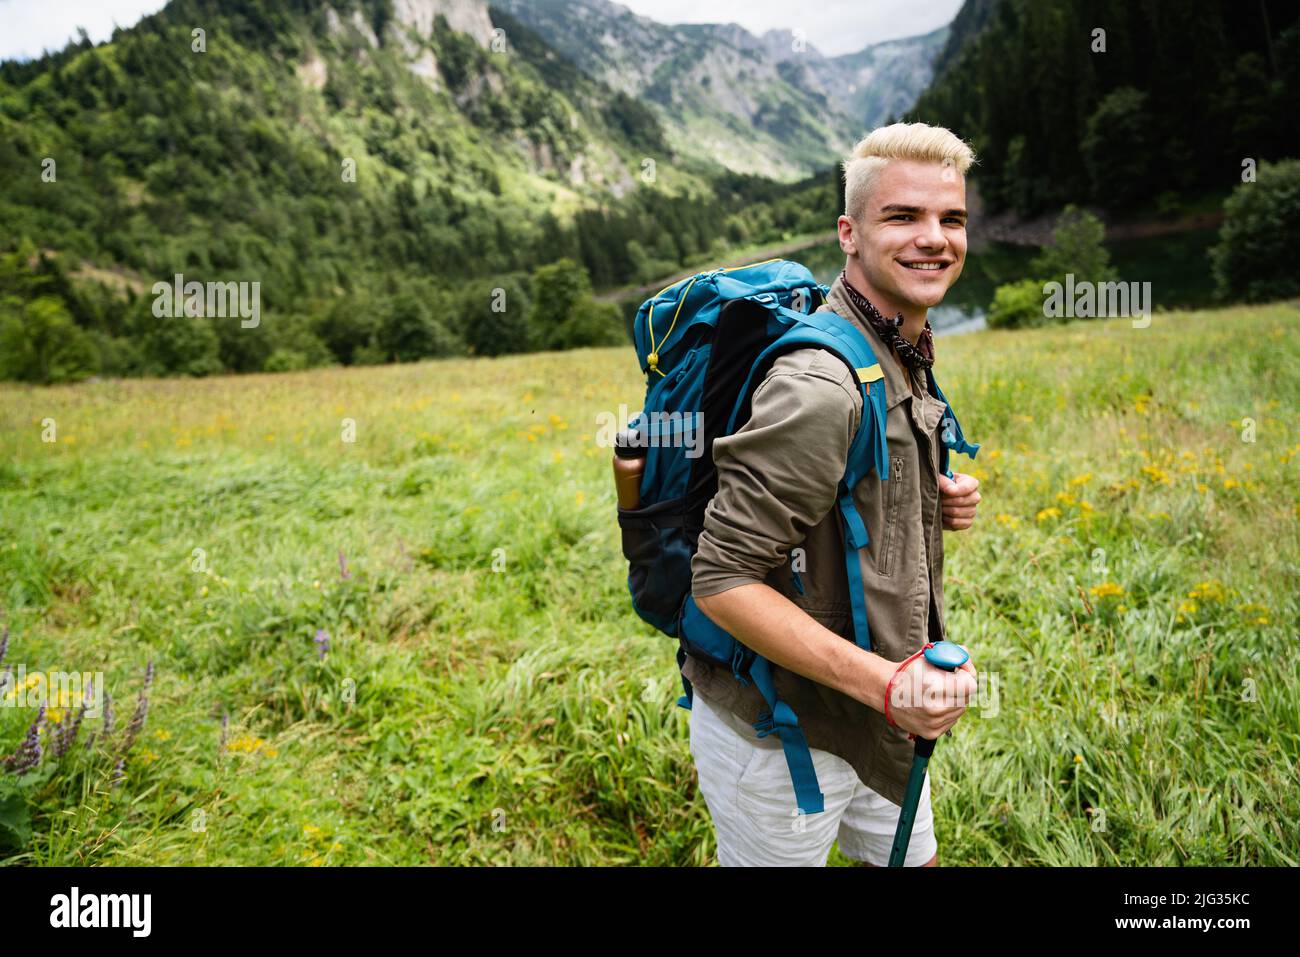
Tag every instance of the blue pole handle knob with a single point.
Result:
(946, 655)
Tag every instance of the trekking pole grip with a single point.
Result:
(949, 657)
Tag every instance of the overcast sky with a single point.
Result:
(832, 26)
(28, 27)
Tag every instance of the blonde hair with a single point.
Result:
(914, 141)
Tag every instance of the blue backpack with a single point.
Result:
(705, 343)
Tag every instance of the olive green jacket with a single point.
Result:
(774, 515)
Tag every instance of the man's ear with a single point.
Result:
(848, 240)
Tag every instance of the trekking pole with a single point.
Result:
(949, 657)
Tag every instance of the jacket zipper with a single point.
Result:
(891, 516)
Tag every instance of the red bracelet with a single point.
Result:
(889, 684)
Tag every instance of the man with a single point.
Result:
(770, 564)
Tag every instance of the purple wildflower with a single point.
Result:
(225, 723)
(343, 567)
(119, 771)
(29, 752)
(136, 724)
(66, 733)
(4, 644)
(107, 730)
(322, 642)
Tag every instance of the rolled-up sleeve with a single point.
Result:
(779, 473)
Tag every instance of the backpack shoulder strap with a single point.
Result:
(868, 451)
(951, 437)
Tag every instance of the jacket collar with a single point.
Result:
(897, 386)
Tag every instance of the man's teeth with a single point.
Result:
(924, 265)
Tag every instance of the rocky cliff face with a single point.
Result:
(772, 105)
(464, 16)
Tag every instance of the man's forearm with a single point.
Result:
(766, 621)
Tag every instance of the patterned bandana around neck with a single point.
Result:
(915, 357)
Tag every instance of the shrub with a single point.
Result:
(1017, 305)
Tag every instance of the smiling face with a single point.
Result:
(910, 243)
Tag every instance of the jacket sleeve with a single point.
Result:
(779, 473)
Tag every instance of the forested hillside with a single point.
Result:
(1170, 98)
(376, 169)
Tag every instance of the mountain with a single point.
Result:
(378, 167)
(884, 79)
(770, 105)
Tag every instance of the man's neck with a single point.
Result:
(913, 316)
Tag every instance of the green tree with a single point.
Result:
(1254, 258)
(1076, 247)
(181, 345)
(496, 316)
(1116, 148)
(557, 290)
(591, 323)
(40, 343)
(410, 331)
(347, 326)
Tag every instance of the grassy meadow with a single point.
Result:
(483, 693)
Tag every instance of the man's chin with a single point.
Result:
(922, 298)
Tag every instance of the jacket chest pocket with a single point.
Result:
(892, 498)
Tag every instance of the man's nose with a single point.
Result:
(931, 235)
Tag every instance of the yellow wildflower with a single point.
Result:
(1047, 513)
(1211, 590)
(1106, 590)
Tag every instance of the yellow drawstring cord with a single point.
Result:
(653, 358)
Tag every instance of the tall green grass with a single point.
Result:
(488, 695)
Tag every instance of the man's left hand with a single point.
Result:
(960, 496)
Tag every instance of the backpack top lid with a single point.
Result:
(664, 320)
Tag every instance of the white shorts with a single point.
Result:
(746, 784)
